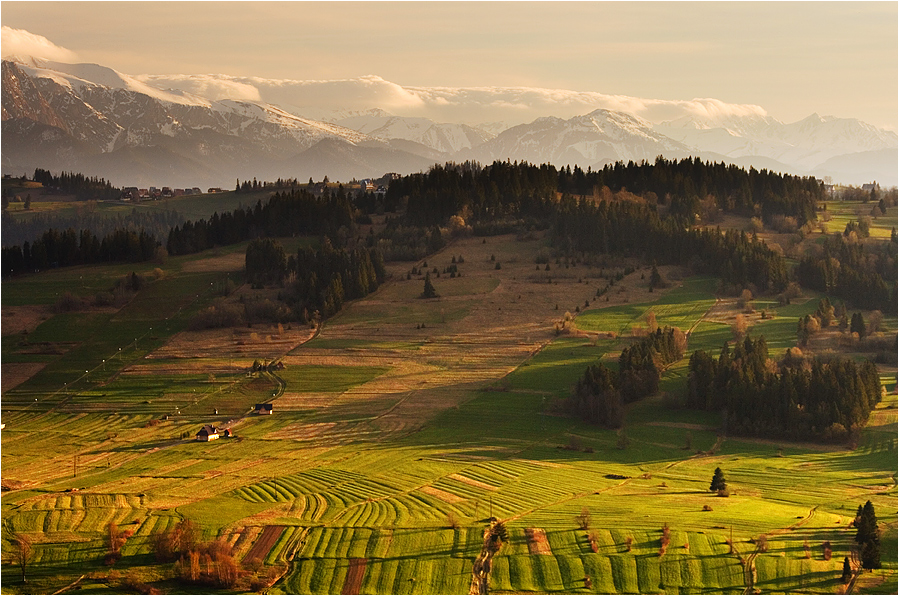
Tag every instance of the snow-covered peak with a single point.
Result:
(78, 76)
(447, 138)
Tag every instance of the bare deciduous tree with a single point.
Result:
(23, 553)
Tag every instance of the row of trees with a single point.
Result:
(284, 214)
(315, 279)
(601, 392)
(83, 187)
(630, 228)
(479, 194)
(61, 249)
(858, 272)
(520, 189)
(156, 223)
(683, 185)
(804, 399)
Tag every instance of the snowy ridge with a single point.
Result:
(448, 138)
(77, 76)
(244, 120)
(591, 140)
(805, 144)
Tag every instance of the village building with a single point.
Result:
(207, 433)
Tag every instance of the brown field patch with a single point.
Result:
(441, 494)
(261, 341)
(684, 425)
(264, 543)
(472, 482)
(544, 464)
(326, 433)
(16, 319)
(230, 262)
(356, 571)
(537, 542)
(267, 516)
(16, 373)
(246, 536)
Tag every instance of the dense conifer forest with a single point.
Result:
(601, 393)
(799, 399)
(647, 210)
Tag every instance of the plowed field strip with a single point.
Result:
(354, 575)
(264, 543)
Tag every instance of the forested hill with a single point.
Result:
(647, 210)
(683, 188)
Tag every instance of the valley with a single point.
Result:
(399, 427)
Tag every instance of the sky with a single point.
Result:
(793, 59)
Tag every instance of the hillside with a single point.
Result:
(400, 427)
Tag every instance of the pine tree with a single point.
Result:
(429, 291)
(718, 481)
(868, 537)
(857, 325)
(847, 571)
(655, 278)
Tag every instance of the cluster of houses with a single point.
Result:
(132, 193)
(368, 186)
(210, 432)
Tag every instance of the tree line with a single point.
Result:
(632, 228)
(600, 394)
(55, 248)
(83, 187)
(858, 272)
(477, 194)
(683, 185)
(807, 399)
(518, 189)
(156, 223)
(285, 214)
(315, 280)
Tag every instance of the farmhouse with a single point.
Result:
(263, 409)
(208, 433)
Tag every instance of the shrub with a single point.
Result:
(216, 316)
(68, 302)
(583, 519)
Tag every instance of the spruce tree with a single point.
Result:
(429, 291)
(655, 278)
(857, 325)
(868, 537)
(847, 571)
(718, 481)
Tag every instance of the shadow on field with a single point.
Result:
(815, 579)
(861, 458)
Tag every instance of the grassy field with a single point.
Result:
(192, 207)
(391, 445)
(840, 213)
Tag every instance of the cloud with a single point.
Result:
(21, 43)
(211, 87)
(470, 105)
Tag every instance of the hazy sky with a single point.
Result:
(834, 58)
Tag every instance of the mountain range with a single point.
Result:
(141, 131)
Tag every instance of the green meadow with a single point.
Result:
(361, 500)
